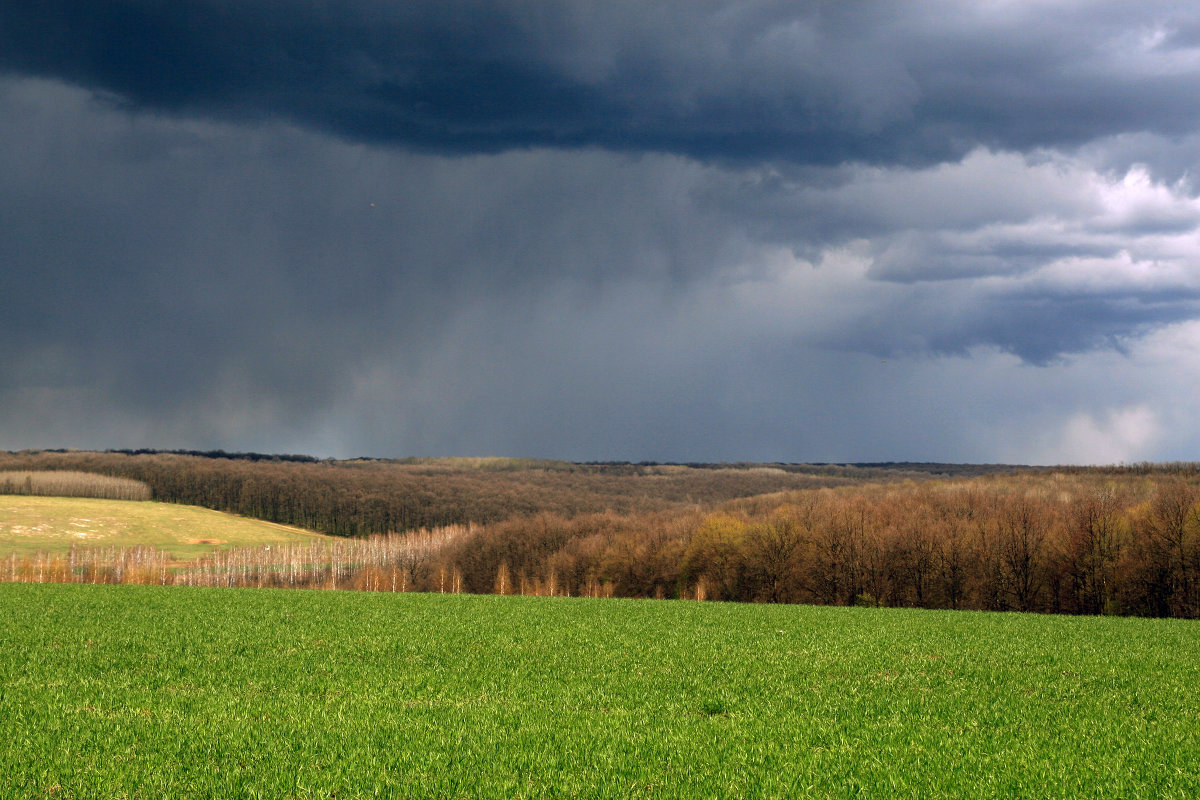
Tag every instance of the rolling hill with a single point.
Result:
(29, 524)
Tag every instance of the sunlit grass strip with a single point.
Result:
(141, 692)
(52, 525)
(52, 483)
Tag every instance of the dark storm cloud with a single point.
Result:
(164, 264)
(819, 82)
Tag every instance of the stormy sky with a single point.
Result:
(684, 231)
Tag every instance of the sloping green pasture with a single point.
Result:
(29, 524)
(146, 692)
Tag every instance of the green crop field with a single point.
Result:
(30, 524)
(148, 692)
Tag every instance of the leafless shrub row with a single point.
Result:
(398, 563)
(69, 483)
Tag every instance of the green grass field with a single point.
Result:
(145, 692)
(51, 525)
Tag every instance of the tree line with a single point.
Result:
(1088, 542)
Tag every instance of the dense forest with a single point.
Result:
(364, 497)
(1081, 542)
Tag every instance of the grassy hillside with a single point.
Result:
(30, 524)
(141, 692)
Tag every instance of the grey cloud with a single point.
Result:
(703, 231)
(169, 260)
(912, 256)
(817, 82)
(1039, 326)
(1168, 159)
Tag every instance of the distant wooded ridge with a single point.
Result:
(932, 467)
(363, 497)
